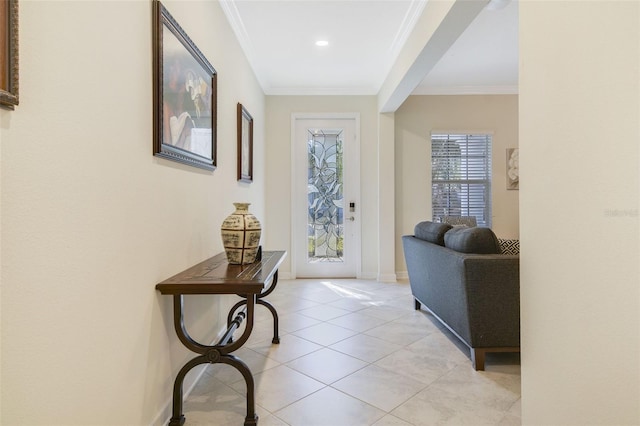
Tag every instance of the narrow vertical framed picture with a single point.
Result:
(184, 96)
(245, 145)
(9, 54)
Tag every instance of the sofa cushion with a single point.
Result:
(472, 240)
(431, 232)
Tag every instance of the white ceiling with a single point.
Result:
(365, 38)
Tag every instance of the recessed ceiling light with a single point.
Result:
(322, 43)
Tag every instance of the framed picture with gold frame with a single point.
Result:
(9, 54)
(245, 145)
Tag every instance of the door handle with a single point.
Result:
(351, 218)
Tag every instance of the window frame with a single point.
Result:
(467, 173)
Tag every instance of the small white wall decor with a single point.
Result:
(513, 168)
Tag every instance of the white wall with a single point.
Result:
(579, 199)
(91, 221)
(279, 110)
(415, 120)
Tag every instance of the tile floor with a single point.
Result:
(356, 353)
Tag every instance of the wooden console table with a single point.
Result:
(215, 275)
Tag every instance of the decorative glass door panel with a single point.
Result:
(325, 196)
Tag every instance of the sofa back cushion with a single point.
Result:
(472, 240)
(431, 232)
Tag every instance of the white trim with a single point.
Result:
(406, 27)
(237, 25)
(293, 199)
(368, 276)
(285, 275)
(414, 12)
(319, 91)
(465, 90)
(461, 132)
(402, 275)
(387, 278)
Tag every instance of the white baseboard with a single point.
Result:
(284, 275)
(363, 276)
(402, 275)
(367, 276)
(387, 278)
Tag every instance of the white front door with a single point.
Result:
(326, 197)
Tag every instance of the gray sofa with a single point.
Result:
(461, 276)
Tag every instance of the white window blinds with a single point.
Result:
(461, 176)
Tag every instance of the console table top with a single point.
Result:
(216, 276)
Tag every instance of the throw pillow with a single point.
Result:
(472, 240)
(431, 232)
(509, 246)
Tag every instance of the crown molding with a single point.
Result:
(320, 91)
(410, 18)
(237, 25)
(466, 90)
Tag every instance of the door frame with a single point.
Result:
(295, 199)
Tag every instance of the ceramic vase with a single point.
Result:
(241, 232)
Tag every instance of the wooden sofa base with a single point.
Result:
(477, 354)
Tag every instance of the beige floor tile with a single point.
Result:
(390, 420)
(290, 348)
(213, 403)
(462, 397)
(329, 407)
(419, 319)
(510, 420)
(513, 417)
(379, 387)
(324, 312)
(324, 333)
(425, 367)
(254, 360)
(443, 346)
(278, 387)
(379, 310)
(516, 409)
(322, 295)
(356, 353)
(399, 333)
(394, 290)
(327, 365)
(366, 348)
(405, 303)
(269, 420)
(294, 321)
(497, 389)
(357, 322)
(434, 406)
(288, 304)
(351, 304)
(261, 332)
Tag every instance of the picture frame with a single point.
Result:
(513, 168)
(9, 64)
(245, 145)
(184, 96)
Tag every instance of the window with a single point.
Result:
(461, 176)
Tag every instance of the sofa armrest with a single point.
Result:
(492, 287)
